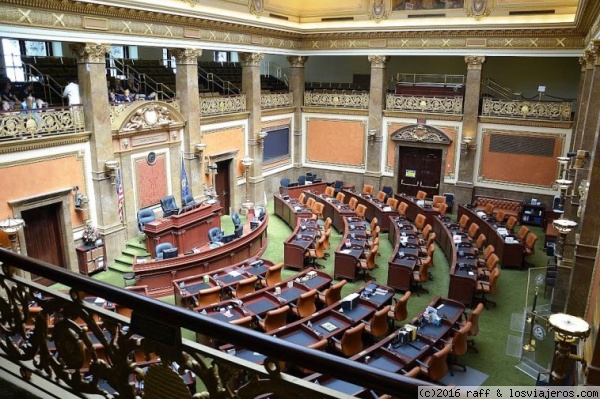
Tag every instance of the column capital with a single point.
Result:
(251, 59)
(378, 61)
(582, 63)
(474, 61)
(186, 56)
(297, 61)
(590, 57)
(90, 52)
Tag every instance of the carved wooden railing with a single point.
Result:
(221, 105)
(90, 349)
(358, 100)
(523, 109)
(23, 124)
(436, 105)
(276, 100)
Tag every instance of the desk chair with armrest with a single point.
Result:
(480, 243)
(361, 210)
(522, 233)
(422, 195)
(463, 222)
(402, 207)
(209, 296)
(338, 185)
(449, 201)
(320, 346)
(381, 196)
(301, 198)
(285, 182)
(367, 189)
(244, 287)
(389, 192)
(443, 209)
(340, 197)
(237, 221)
(435, 366)
(421, 276)
(368, 264)
(316, 253)
(500, 216)
(274, 319)
(273, 276)
(487, 287)
(392, 202)
(438, 200)
(473, 231)
(188, 200)
(530, 247)
(481, 260)
(400, 311)
(302, 180)
(330, 191)
(351, 342)
(169, 206)
(310, 202)
(378, 326)
(473, 318)
(305, 306)
(353, 203)
(215, 235)
(459, 347)
(161, 248)
(144, 216)
(491, 263)
(511, 223)
(489, 209)
(420, 222)
(332, 294)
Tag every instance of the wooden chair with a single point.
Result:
(488, 287)
(402, 208)
(330, 191)
(381, 196)
(459, 347)
(361, 210)
(473, 230)
(473, 318)
(274, 319)
(422, 195)
(209, 296)
(378, 326)
(244, 287)
(305, 306)
(332, 294)
(511, 223)
(353, 203)
(367, 189)
(400, 311)
(368, 264)
(340, 197)
(435, 366)
(273, 275)
(351, 342)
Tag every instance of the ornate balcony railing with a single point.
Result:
(276, 100)
(18, 125)
(85, 346)
(545, 110)
(335, 99)
(211, 106)
(437, 105)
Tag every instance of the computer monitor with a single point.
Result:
(239, 231)
(170, 253)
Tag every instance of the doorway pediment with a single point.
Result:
(421, 134)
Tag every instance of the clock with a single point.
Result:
(151, 158)
(539, 332)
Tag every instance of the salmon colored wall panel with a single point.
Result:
(335, 142)
(42, 176)
(531, 170)
(151, 180)
(225, 140)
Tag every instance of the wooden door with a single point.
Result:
(222, 180)
(43, 237)
(419, 169)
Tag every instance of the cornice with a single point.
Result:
(277, 111)
(44, 142)
(224, 118)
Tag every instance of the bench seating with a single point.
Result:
(510, 206)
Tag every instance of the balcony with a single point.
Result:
(37, 123)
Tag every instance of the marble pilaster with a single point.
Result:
(297, 81)
(374, 136)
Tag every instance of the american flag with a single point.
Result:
(120, 195)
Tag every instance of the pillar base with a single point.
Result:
(246, 206)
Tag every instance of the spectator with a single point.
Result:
(7, 94)
(26, 91)
(72, 92)
(6, 106)
(132, 85)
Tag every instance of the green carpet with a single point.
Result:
(494, 324)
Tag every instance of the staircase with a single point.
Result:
(135, 247)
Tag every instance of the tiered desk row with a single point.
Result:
(375, 208)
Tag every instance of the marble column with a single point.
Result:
(251, 88)
(463, 190)
(297, 88)
(91, 74)
(374, 134)
(189, 105)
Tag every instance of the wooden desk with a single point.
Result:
(511, 255)
(185, 231)
(294, 192)
(403, 259)
(333, 209)
(350, 249)
(299, 242)
(158, 275)
(375, 208)
(290, 210)
(414, 208)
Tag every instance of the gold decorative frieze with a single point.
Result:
(341, 100)
(550, 110)
(276, 100)
(210, 106)
(90, 52)
(443, 105)
(40, 123)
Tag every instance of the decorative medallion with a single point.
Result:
(151, 158)
(479, 8)
(256, 7)
(421, 133)
(148, 117)
(379, 10)
(539, 332)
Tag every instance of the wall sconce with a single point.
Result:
(80, 200)
(11, 226)
(111, 170)
(568, 330)
(371, 134)
(564, 227)
(200, 147)
(260, 137)
(466, 145)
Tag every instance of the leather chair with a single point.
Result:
(378, 326)
(273, 275)
(169, 206)
(420, 222)
(274, 319)
(435, 366)
(318, 252)
(215, 234)
(422, 195)
(488, 287)
(368, 264)
(305, 306)
(160, 248)
(381, 196)
(400, 311)
(244, 287)
(353, 203)
(327, 223)
(464, 222)
(301, 180)
(351, 342)
(490, 264)
(372, 226)
(438, 200)
(500, 216)
(449, 201)
(208, 296)
(235, 218)
(459, 347)
(489, 209)
(421, 276)
(243, 322)
(402, 207)
(340, 197)
(367, 189)
(326, 243)
(301, 198)
(486, 254)
(473, 230)
(188, 200)
(389, 191)
(511, 223)
(530, 246)
(361, 210)
(338, 185)
(320, 346)
(285, 182)
(144, 216)
(330, 191)
(425, 233)
(392, 202)
(522, 233)
(332, 294)
(310, 202)
(473, 318)
(443, 209)
(317, 210)
(480, 243)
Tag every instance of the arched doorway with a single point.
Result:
(420, 155)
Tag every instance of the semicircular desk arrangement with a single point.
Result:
(196, 255)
